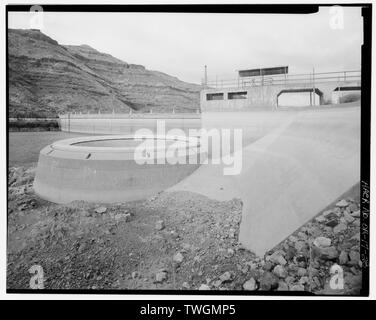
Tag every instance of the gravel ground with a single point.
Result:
(179, 240)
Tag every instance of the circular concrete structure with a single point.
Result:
(109, 169)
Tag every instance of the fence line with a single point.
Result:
(353, 76)
(113, 115)
(123, 125)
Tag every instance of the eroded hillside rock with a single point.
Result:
(47, 78)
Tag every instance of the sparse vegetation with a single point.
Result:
(34, 125)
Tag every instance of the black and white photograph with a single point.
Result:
(188, 149)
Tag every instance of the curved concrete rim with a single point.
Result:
(71, 145)
(68, 172)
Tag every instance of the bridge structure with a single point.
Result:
(249, 91)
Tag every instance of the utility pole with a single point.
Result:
(314, 89)
(206, 77)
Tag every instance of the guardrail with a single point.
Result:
(304, 79)
(125, 123)
(74, 115)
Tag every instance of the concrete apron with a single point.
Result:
(295, 165)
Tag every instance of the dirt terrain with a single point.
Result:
(179, 241)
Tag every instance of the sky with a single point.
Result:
(181, 44)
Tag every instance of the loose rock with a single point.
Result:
(296, 287)
(302, 272)
(268, 281)
(160, 276)
(302, 236)
(339, 228)
(178, 258)
(226, 277)
(159, 225)
(355, 214)
(250, 285)
(320, 218)
(282, 286)
(300, 245)
(326, 213)
(268, 266)
(322, 242)
(122, 216)
(328, 253)
(332, 223)
(352, 207)
(342, 204)
(290, 253)
(354, 257)
(101, 210)
(343, 257)
(277, 258)
(349, 218)
(304, 280)
(204, 287)
(280, 271)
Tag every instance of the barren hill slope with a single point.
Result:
(46, 78)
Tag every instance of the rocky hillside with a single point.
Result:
(46, 78)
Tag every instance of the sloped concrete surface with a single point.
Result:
(293, 168)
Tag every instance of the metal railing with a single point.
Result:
(304, 79)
